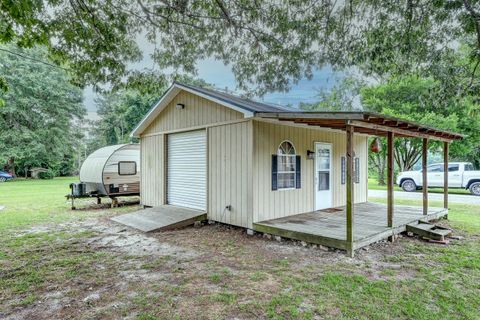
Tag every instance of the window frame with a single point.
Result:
(294, 161)
(128, 174)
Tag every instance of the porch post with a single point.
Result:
(390, 194)
(424, 176)
(445, 175)
(349, 184)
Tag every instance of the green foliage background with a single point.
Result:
(40, 115)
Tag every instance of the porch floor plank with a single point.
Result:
(329, 228)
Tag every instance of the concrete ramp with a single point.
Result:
(160, 218)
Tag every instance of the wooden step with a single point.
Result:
(429, 231)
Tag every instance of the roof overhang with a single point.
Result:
(169, 95)
(364, 122)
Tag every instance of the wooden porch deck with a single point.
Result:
(328, 227)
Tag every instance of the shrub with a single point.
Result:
(47, 175)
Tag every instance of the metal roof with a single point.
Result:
(364, 122)
(244, 103)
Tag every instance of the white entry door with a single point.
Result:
(187, 169)
(323, 175)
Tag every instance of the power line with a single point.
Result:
(33, 59)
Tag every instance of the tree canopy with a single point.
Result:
(426, 54)
(269, 44)
(38, 122)
(119, 113)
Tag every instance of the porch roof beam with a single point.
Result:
(399, 131)
(374, 122)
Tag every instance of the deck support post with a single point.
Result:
(390, 194)
(445, 175)
(350, 196)
(424, 176)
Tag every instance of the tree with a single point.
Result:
(378, 162)
(38, 120)
(269, 44)
(417, 99)
(120, 112)
(343, 97)
(424, 100)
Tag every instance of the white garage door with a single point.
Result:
(187, 169)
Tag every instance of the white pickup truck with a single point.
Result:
(460, 175)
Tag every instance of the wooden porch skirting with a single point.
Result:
(328, 227)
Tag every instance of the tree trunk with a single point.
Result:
(11, 166)
(378, 161)
(407, 154)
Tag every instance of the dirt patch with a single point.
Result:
(214, 271)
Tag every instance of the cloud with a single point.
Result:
(221, 76)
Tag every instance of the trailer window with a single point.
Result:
(127, 168)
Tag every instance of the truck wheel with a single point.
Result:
(475, 188)
(409, 185)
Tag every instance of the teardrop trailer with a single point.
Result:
(112, 171)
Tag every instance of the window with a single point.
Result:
(286, 166)
(323, 180)
(435, 168)
(469, 167)
(453, 167)
(356, 170)
(127, 168)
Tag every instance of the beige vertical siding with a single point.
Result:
(268, 204)
(198, 111)
(152, 158)
(230, 173)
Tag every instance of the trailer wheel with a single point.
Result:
(409, 185)
(3, 179)
(475, 188)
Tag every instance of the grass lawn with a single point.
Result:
(57, 263)
(29, 202)
(373, 185)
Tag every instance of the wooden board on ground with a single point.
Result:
(160, 218)
(429, 231)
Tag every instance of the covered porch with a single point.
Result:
(354, 226)
(329, 227)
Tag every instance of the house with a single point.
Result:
(297, 174)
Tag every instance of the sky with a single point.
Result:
(221, 76)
